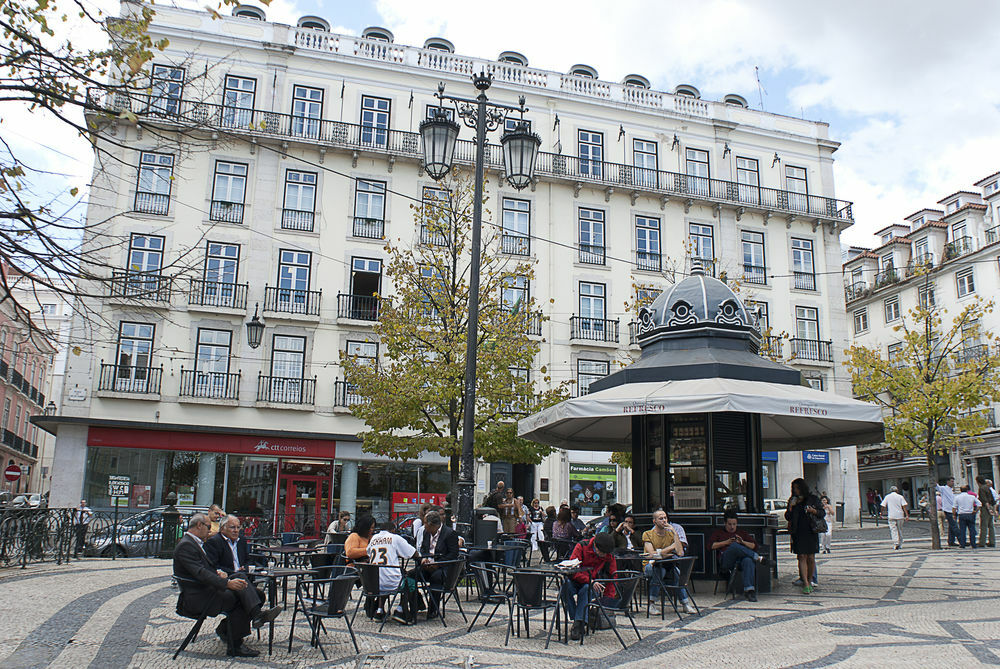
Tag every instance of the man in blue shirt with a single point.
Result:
(946, 519)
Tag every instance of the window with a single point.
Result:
(951, 206)
(965, 282)
(894, 350)
(238, 95)
(134, 357)
(514, 292)
(645, 161)
(696, 169)
(588, 371)
(298, 211)
(925, 296)
(366, 283)
(760, 308)
(592, 301)
(795, 184)
(374, 121)
(369, 209)
(211, 365)
(807, 323)
(228, 192)
(886, 262)
(920, 251)
(218, 288)
(436, 217)
(754, 269)
(292, 294)
(645, 295)
(167, 86)
(701, 238)
(647, 243)
(748, 180)
(510, 124)
(152, 192)
(516, 237)
(860, 321)
(430, 278)
(6, 413)
(365, 352)
(591, 151)
(891, 308)
(591, 223)
(287, 369)
(145, 254)
(48, 309)
(802, 264)
(307, 111)
(958, 231)
(814, 382)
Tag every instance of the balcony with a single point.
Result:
(226, 212)
(515, 245)
(856, 290)
(886, 277)
(140, 285)
(532, 322)
(431, 237)
(217, 295)
(4, 369)
(959, 247)
(804, 280)
(210, 385)
(648, 261)
(151, 203)
(292, 301)
(129, 379)
(16, 379)
(771, 347)
(358, 307)
(592, 255)
(988, 414)
(755, 274)
(593, 329)
(633, 333)
(293, 219)
(368, 228)
(972, 353)
(347, 394)
(283, 390)
(404, 144)
(993, 234)
(812, 349)
(919, 262)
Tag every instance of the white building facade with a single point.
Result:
(285, 156)
(957, 242)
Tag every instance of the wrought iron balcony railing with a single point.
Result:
(649, 261)
(593, 329)
(368, 228)
(515, 245)
(351, 136)
(226, 212)
(959, 247)
(283, 390)
(804, 280)
(294, 219)
(432, 237)
(210, 385)
(358, 307)
(215, 294)
(140, 285)
(592, 254)
(130, 379)
(812, 349)
(755, 274)
(347, 394)
(855, 291)
(771, 347)
(292, 300)
(151, 203)
(532, 322)
(971, 353)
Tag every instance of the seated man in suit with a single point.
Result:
(215, 592)
(227, 550)
(439, 544)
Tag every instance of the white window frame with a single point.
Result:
(891, 304)
(965, 282)
(861, 320)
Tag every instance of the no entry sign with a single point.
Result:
(12, 473)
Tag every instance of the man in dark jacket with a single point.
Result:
(440, 544)
(227, 550)
(214, 592)
(596, 558)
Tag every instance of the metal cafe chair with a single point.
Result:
(199, 617)
(625, 584)
(532, 592)
(671, 587)
(493, 588)
(448, 589)
(371, 586)
(338, 591)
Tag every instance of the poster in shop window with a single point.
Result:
(140, 496)
(593, 487)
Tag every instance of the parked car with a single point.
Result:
(138, 534)
(32, 500)
(776, 507)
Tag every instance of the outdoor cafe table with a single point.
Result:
(286, 552)
(272, 576)
(658, 562)
(497, 551)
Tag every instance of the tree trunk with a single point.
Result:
(932, 500)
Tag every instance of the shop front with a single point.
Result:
(882, 469)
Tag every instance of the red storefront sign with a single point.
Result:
(164, 440)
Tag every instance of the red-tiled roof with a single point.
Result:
(958, 192)
(982, 182)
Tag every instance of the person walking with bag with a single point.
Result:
(806, 521)
(898, 513)
(831, 515)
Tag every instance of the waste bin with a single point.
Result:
(840, 512)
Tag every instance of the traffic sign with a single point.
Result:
(12, 473)
(119, 486)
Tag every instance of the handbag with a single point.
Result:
(817, 523)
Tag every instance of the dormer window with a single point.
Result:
(887, 237)
(439, 44)
(687, 91)
(248, 12)
(513, 57)
(917, 223)
(993, 187)
(586, 71)
(376, 33)
(314, 23)
(951, 206)
(735, 100)
(636, 81)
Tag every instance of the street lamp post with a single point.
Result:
(439, 135)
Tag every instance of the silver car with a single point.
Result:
(776, 507)
(138, 535)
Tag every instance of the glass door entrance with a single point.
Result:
(304, 505)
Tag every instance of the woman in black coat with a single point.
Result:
(803, 506)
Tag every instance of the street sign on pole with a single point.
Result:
(119, 486)
(12, 473)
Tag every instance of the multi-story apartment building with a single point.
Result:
(26, 361)
(282, 159)
(957, 244)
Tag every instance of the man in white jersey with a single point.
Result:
(386, 548)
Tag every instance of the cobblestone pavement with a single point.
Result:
(875, 606)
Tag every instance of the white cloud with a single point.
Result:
(914, 85)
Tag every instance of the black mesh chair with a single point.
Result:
(493, 588)
(521, 556)
(532, 592)
(371, 586)
(680, 569)
(448, 588)
(338, 592)
(199, 617)
(624, 584)
(564, 548)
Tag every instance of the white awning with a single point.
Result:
(792, 417)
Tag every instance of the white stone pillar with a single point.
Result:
(348, 487)
(69, 462)
(205, 495)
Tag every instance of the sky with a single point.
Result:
(909, 89)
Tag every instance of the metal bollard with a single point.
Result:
(171, 529)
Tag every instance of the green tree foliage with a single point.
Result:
(934, 387)
(414, 396)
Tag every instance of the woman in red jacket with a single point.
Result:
(596, 558)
